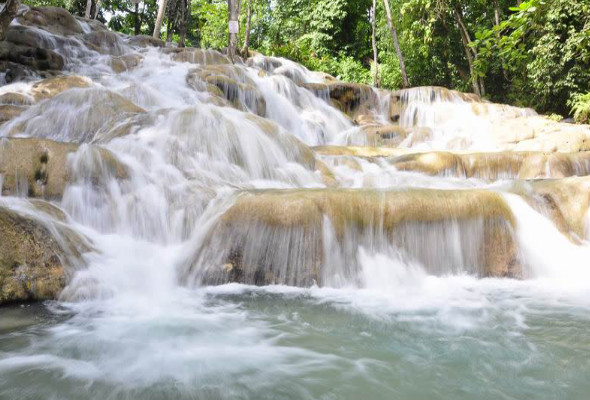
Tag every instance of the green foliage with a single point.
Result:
(544, 48)
(536, 55)
(580, 104)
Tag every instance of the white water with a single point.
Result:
(130, 325)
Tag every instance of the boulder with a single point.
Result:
(32, 57)
(106, 42)
(231, 83)
(93, 112)
(40, 168)
(144, 41)
(36, 253)
(55, 20)
(125, 62)
(15, 99)
(8, 112)
(351, 98)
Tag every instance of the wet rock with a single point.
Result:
(15, 99)
(52, 19)
(144, 41)
(231, 83)
(35, 255)
(30, 57)
(293, 236)
(106, 42)
(92, 112)
(351, 98)
(494, 166)
(125, 62)
(40, 168)
(51, 87)
(8, 112)
(359, 151)
(564, 201)
(198, 56)
(384, 135)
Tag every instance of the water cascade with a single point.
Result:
(213, 230)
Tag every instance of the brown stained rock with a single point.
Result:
(8, 112)
(15, 99)
(33, 261)
(351, 98)
(231, 83)
(39, 168)
(125, 62)
(106, 42)
(51, 87)
(198, 56)
(32, 57)
(55, 20)
(278, 236)
(144, 41)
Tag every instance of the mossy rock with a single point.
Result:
(34, 264)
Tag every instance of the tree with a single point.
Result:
(247, 30)
(233, 9)
(7, 15)
(374, 43)
(398, 50)
(160, 18)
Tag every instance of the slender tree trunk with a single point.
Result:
(88, 9)
(247, 33)
(96, 9)
(398, 49)
(160, 18)
(233, 15)
(184, 13)
(169, 30)
(469, 52)
(374, 43)
(137, 28)
(7, 15)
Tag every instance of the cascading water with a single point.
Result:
(342, 272)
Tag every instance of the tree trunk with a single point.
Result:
(374, 43)
(96, 9)
(88, 9)
(137, 29)
(470, 53)
(398, 49)
(184, 15)
(247, 33)
(160, 18)
(233, 15)
(7, 15)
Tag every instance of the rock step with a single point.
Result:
(487, 166)
(300, 237)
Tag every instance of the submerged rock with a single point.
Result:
(78, 115)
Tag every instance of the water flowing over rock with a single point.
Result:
(259, 171)
(34, 248)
